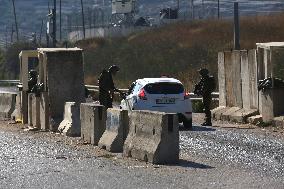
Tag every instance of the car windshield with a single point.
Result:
(164, 88)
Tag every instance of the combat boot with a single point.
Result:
(207, 123)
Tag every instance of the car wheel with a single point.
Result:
(187, 124)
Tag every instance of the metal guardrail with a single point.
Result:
(10, 81)
(215, 95)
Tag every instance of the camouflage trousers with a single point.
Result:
(105, 99)
(207, 104)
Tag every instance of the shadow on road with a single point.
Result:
(190, 164)
(196, 128)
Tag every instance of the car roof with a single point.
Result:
(146, 81)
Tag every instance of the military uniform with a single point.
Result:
(106, 86)
(205, 87)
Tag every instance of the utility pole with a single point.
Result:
(12, 33)
(218, 9)
(16, 23)
(178, 8)
(6, 37)
(90, 17)
(83, 19)
(203, 10)
(236, 27)
(60, 21)
(41, 28)
(54, 23)
(192, 9)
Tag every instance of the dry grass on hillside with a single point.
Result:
(177, 50)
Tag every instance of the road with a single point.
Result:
(211, 157)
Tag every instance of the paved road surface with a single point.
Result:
(211, 158)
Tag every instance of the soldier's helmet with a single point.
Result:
(203, 72)
(33, 73)
(113, 69)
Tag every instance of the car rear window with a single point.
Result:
(164, 88)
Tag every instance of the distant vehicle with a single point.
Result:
(159, 94)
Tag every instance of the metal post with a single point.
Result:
(203, 10)
(54, 23)
(192, 8)
(41, 28)
(15, 17)
(236, 27)
(12, 33)
(60, 21)
(83, 19)
(218, 9)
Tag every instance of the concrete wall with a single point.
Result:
(272, 103)
(65, 80)
(222, 79)
(153, 137)
(33, 110)
(237, 76)
(117, 126)
(253, 79)
(93, 122)
(24, 106)
(44, 111)
(232, 67)
(62, 73)
(104, 32)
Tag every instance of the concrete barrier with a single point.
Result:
(17, 115)
(33, 111)
(44, 111)
(7, 104)
(93, 122)
(71, 125)
(117, 126)
(153, 137)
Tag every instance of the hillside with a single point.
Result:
(176, 50)
(30, 13)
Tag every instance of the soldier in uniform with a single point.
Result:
(204, 88)
(32, 80)
(106, 86)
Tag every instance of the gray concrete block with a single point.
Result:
(153, 137)
(255, 119)
(241, 115)
(222, 79)
(7, 104)
(17, 115)
(225, 116)
(117, 126)
(44, 111)
(245, 80)
(219, 112)
(62, 73)
(24, 106)
(33, 110)
(253, 79)
(93, 122)
(71, 125)
(233, 79)
(272, 103)
(278, 122)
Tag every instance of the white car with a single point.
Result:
(160, 94)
